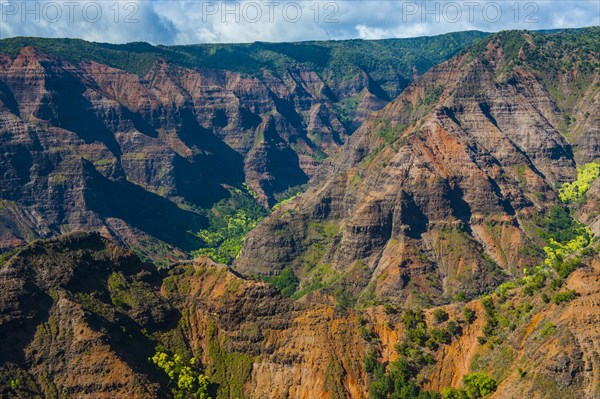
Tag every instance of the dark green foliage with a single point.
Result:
(461, 297)
(491, 317)
(469, 315)
(366, 332)
(476, 386)
(229, 222)
(18, 384)
(440, 335)
(334, 60)
(418, 336)
(286, 281)
(416, 356)
(545, 298)
(560, 225)
(453, 328)
(388, 308)
(343, 298)
(440, 315)
(397, 381)
(565, 296)
(413, 318)
(564, 269)
(371, 362)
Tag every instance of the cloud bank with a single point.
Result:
(188, 22)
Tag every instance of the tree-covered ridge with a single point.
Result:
(336, 60)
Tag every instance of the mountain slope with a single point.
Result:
(97, 136)
(442, 192)
(91, 317)
(90, 314)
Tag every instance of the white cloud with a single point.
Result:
(186, 21)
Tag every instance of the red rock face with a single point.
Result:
(89, 146)
(434, 194)
(135, 140)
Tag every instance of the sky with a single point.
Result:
(188, 22)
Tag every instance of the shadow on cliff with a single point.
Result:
(275, 162)
(149, 212)
(65, 106)
(200, 177)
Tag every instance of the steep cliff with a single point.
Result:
(441, 192)
(97, 136)
(91, 316)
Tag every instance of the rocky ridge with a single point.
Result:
(97, 136)
(440, 193)
(91, 314)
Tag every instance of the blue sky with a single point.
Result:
(188, 22)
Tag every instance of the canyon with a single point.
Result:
(430, 218)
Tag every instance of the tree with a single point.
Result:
(479, 385)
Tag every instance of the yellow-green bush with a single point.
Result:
(585, 176)
(189, 382)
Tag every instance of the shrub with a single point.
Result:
(479, 385)
(286, 281)
(469, 315)
(418, 336)
(547, 330)
(453, 393)
(440, 315)
(189, 383)
(413, 318)
(461, 297)
(545, 298)
(388, 308)
(576, 190)
(565, 296)
(440, 336)
(453, 328)
(371, 362)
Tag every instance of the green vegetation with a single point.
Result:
(491, 318)
(432, 93)
(550, 54)
(189, 382)
(285, 201)
(399, 379)
(17, 383)
(125, 293)
(336, 61)
(229, 222)
(389, 132)
(440, 315)
(564, 296)
(547, 330)
(476, 386)
(286, 281)
(565, 238)
(227, 368)
(585, 177)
